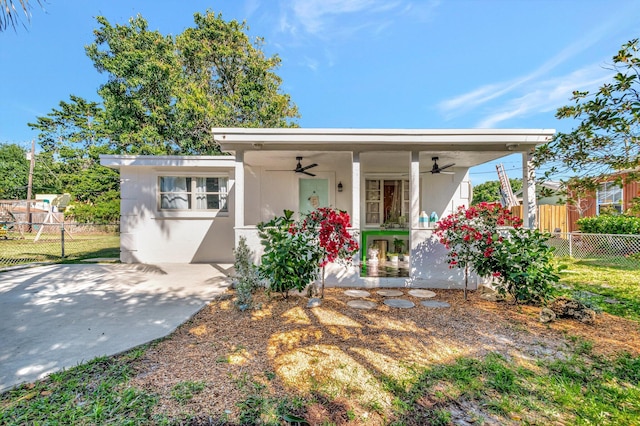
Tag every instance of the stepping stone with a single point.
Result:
(390, 293)
(422, 293)
(361, 304)
(435, 304)
(399, 303)
(313, 302)
(357, 293)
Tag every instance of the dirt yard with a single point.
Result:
(294, 350)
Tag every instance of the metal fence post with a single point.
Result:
(570, 245)
(62, 238)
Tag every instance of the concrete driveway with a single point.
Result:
(57, 316)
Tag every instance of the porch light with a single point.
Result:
(340, 187)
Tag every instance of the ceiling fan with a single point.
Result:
(300, 169)
(439, 169)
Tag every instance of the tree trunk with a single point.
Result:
(466, 280)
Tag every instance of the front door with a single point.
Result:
(312, 193)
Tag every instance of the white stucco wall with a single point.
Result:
(148, 235)
(269, 192)
(444, 193)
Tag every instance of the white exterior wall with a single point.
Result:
(148, 235)
(269, 192)
(444, 193)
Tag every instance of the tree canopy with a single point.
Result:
(606, 139)
(489, 192)
(162, 96)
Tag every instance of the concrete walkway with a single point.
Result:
(57, 316)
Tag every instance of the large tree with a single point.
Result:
(162, 95)
(489, 192)
(14, 172)
(606, 139)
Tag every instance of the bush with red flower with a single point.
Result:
(490, 240)
(296, 252)
(331, 228)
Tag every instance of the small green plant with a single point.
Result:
(185, 391)
(290, 259)
(398, 245)
(246, 280)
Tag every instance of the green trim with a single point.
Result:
(365, 234)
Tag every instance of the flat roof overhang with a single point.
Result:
(497, 140)
(166, 161)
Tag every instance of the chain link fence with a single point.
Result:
(23, 243)
(606, 249)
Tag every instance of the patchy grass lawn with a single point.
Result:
(477, 362)
(19, 251)
(615, 290)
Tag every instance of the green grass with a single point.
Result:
(185, 391)
(596, 284)
(91, 393)
(582, 390)
(46, 249)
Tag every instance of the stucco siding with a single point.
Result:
(150, 235)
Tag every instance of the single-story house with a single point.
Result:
(194, 209)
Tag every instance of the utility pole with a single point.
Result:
(32, 162)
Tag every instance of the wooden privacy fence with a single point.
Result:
(551, 218)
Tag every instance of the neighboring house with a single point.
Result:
(609, 196)
(547, 194)
(195, 208)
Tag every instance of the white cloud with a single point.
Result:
(526, 83)
(548, 95)
(314, 14)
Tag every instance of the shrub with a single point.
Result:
(518, 259)
(246, 280)
(610, 224)
(295, 253)
(523, 267)
(290, 259)
(471, 233)
(330, 227)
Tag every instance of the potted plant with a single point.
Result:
(393, 257)
(398, 245)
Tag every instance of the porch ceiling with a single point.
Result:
(379, 148)
(377, 160)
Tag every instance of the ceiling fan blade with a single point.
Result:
(446, 166)
(307, 173)
(302, 169)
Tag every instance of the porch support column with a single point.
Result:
(239, 192)
(355, 190)
(529, 205)
(414, 190)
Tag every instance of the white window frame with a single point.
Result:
(405, 199)
(608, 188)
(193, 193)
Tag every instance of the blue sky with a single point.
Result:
(355, 63)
